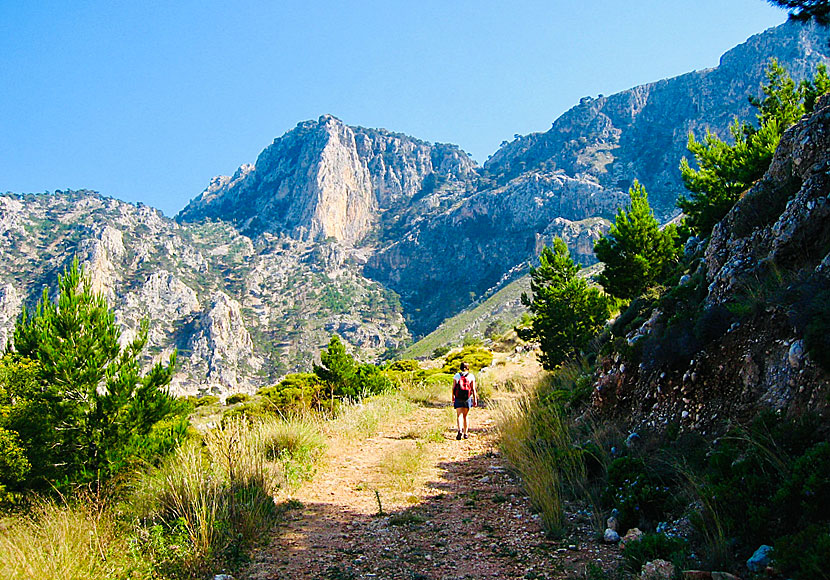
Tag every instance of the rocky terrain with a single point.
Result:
(761, 336)
(373, 235)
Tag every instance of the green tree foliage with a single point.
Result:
(567, 312)
(477, 357)
(803, 10)
(725, 171)
(297, 391)
(89, 412)
(346, 377)
(635, 251)
(339, 369)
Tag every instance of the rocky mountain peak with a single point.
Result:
(325, 179)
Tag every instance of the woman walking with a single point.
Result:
(464, 396)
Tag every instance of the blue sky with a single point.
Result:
(146, 101)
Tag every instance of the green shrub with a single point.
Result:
(237, 398)
(639, 497)
(203, 401)
(295, 392)
(653, 546)
(440, 351)
(406, 366)
(804, 554)
(475, 356)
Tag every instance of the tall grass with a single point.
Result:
(61, 542)
(221, 491)
(536, 440)
(542, 441)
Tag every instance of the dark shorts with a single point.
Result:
(461, 403)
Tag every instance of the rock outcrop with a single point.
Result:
(766, 283)
(325, 179)
(642, 133)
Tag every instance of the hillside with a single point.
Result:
(370, 234)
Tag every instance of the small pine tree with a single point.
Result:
(636, 252)
(95, 412)
(338, 370)
(567, 312)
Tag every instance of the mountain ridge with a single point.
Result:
(374, 235)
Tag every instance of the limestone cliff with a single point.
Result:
(328, 180)
(642, 133)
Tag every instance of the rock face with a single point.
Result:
(642, 132)
(782, 222)
(768, 258)
(327, 180)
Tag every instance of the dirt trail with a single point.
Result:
(464, 515)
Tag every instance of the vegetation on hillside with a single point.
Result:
(567, 312)
(702, 503)
(725, 171)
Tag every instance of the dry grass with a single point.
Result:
(62, 542)
(362, 420)
(537, 440)
(402, 468)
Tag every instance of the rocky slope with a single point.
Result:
(374, 235)
(240, 312)
(760, 338)
(642, 132)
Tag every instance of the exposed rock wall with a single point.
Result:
(768, 256)
(642, 133)
(325, 179)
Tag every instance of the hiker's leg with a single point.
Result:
(464, 411)
(458, 412)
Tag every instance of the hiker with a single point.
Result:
(464, 396)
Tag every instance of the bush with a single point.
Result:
(653, 546)
(405, 366)
(440, 351)
(237, 398)
(203, 401)
(475, 356)
(295, 392)
(639, 497)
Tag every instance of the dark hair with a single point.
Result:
(464, 366)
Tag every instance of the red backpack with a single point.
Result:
(463, 386)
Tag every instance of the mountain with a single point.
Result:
(370, 234)
(642, 133)
(241, 312)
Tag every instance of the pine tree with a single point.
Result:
(635, 251)
(803, 10)
(566, 312)
(338, 370)
(724, 172)
(98, 412)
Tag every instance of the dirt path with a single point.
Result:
(463, 515)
